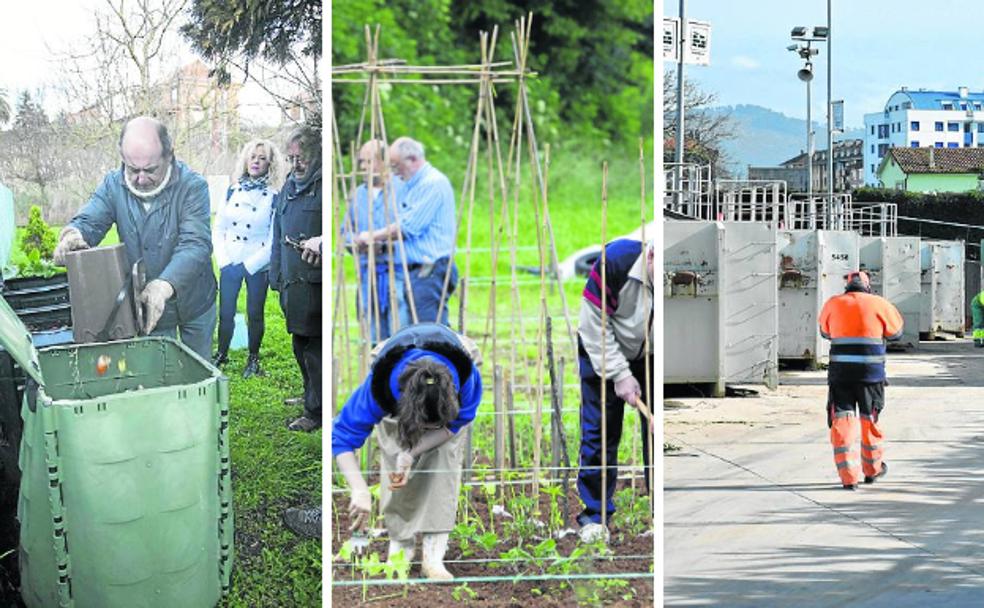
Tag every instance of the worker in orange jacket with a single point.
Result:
(857, 323)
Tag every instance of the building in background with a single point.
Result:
(848, 167)
(932, 169)
(794, 176)
(922, 119)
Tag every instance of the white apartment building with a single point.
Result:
(922, 119)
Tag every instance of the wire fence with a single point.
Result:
(494, 579)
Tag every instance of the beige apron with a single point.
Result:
(429, 501)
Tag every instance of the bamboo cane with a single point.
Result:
(556, 398)
(433, 82)
(566, 473)
(511, 421)
(340, 300)
(483, 100)
(604, 322)
(468, 184)
(499, 431)
(363, 321)
(648, 383)
(538, 176)
(407, 288)
(388, 211)
(389, 65)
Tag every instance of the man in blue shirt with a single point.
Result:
(375, 287)
(426, 219)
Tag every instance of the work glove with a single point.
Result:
(153, 298)
(70, 239)
(627, 389)
(359, 507)
(401, 476)
(312, 251)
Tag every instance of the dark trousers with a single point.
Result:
(307, 351)
(427, 281)
(231, 279)
(589, 475)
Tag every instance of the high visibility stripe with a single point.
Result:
(842, 450)
(869, 460)
(870, 448)
(848, 464)
(857, 341)
(857, 358)
(978, 334)
(868, 417)
(844, 414)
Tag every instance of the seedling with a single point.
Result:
(463, 591)
(556, 520)
(464, 534)
(632, 513)
(488, 541)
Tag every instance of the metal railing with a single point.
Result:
(688, 188)
(817, 212)
(874, 219)
(748, 200)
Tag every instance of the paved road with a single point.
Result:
(754, 514)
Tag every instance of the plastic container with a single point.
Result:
(125, 495)
(104, 290)
(42, 303)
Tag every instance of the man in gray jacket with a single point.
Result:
(161, 211)
(628, 300)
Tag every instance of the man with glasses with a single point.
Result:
(427, 221)
(161, 211)
(295, 265)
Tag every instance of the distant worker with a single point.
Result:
(628, 302)
(427, 221)
(977, 309)
(370, 212)
(857, 323)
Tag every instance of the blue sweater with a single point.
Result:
(353, 425)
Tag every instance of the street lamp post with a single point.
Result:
(830, 114)
(806, 75)
(806, 52)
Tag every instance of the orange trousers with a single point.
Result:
(845, 404)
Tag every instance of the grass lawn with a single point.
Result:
(272, 469)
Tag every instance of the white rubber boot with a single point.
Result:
(408, 547)
(434, 547)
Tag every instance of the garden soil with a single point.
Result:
(505, 593)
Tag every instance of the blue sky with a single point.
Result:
(878, 47)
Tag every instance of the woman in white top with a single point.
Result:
(242, 237)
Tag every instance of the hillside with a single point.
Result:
(765, 137)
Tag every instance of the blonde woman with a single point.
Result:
(242, 237)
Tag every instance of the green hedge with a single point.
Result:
(958, 207)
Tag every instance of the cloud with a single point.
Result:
(744, 62)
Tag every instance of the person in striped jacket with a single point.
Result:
(628, 305)
(857, 323)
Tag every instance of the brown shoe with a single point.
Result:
(304, 424)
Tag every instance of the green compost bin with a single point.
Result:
(125, 496)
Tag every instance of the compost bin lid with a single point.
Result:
(16, 339)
